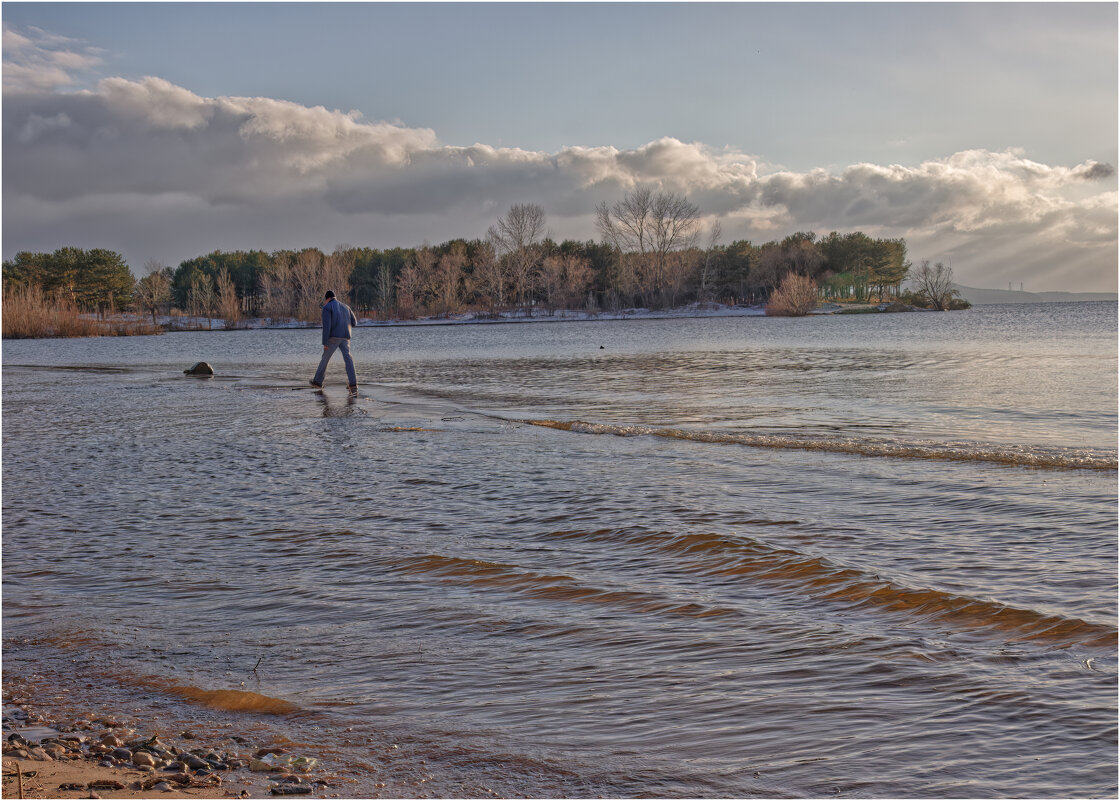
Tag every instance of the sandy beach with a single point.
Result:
(101, 758)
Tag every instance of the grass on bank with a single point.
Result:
(28, 313)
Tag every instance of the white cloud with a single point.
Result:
(278, 165)
(35, 59)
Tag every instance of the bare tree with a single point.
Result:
(306, 275)
(517, 237)
(276, 286)
(385, 287)
(228, 304)
(651, 226)
(678, 271)
(201, 298)
(490, 275)
(153, 291)
(577, 280)
(935, 285)
(552, 281)
(626, 225)
(446, 280)
(676, 223)
(337, 269)
(413, 281)
(709, 253)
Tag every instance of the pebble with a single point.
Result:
(56, 749)
(193, 762)
(163, 787)
(143, 759)
(112, 741)
(122, 754)
(39, 754)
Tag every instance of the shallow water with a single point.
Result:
(868, 555)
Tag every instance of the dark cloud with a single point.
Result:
(1097, 171)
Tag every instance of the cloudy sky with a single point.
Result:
(984, 134)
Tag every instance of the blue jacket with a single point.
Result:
(337, 319)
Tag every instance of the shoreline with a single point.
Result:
(178, 324)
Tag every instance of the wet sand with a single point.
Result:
(28, 778)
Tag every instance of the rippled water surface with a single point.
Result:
(868, 555)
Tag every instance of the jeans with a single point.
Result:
(333, 344)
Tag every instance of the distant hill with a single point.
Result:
(984, 296)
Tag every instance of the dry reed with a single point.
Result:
(28, 313)
(796, 297)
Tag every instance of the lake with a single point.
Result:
(854, 555)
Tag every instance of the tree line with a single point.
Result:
(652, 252)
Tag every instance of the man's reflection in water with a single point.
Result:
(337, 409)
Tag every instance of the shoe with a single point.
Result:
(317, 386)
(354, 390)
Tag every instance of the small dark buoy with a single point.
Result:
(200, 368)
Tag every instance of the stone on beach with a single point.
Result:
(161, 767)
(39, 754)
(193, 762)
(200, 368)
(55, 749)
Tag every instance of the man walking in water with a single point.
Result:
(337, 320)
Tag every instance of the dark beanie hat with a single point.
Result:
(330, 294)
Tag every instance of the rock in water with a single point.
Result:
(200, 368)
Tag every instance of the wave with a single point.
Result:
(229, 700)
(480, 573)
(1052, 458)
(817, 578)
(107, 669)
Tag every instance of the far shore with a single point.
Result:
(133, 324)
